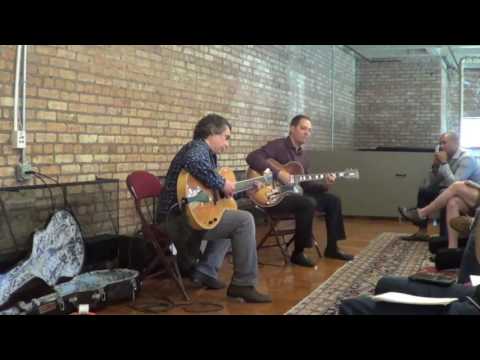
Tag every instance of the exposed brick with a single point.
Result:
(57, 105)
(398, 103)
(64, 159)
(120, 108)
(87, 139)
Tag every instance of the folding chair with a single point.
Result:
(144, 186)
(279, 232)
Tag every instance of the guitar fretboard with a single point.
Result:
(315, 177)
(245, 185)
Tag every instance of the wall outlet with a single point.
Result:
(21, 171)
(19, 139)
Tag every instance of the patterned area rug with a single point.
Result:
(386, 255)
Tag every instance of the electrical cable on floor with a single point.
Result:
(166, 304)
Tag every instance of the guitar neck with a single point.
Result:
(315, 177)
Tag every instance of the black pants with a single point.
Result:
(304, 206)
(365, 306)
(426, 194)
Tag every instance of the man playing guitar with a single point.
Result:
(316, 195)
(199, 158)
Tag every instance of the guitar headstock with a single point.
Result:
(350, 174)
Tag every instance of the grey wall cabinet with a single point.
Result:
(387, 179)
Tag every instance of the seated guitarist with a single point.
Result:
(316, 195)
(199, 157)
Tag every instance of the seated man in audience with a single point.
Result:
(470, 265)
(316, 195)
(461, 197)
(236, 228)
(450, 164)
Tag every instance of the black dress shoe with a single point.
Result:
(416, 237)
(200, 280)
(247, 294)
(338, 255)
(301, 260)
(411, 215)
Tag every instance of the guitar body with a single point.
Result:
(272, 195)
(205, 207)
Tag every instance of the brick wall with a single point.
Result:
(109, 110)
(398, 103)
(344, 91)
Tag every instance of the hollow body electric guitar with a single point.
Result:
(205, 207)
(270, 195)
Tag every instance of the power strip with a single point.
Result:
(23, 172)
(19, 139)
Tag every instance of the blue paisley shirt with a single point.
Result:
(200, 161)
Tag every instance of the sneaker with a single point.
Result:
(411, 215)
(200, 280)
(247, 294)
(301, 260)
(462, 225)
(418, 236)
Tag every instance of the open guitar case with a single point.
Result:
(49, 280)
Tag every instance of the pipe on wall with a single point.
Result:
(24, 100)
(332, 119)
(17, 82)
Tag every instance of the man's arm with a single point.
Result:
(434, 176)
(199, 166)
(464, 171)
(257, 159)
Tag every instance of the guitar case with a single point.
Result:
(57, 254)
(97, 289)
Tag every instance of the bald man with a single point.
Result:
(450, 164)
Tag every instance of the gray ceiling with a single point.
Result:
(450, 54)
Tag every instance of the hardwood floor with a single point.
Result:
(287, 284)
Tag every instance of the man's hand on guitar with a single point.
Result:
(229, 188)
(330, 179)
(285, 177)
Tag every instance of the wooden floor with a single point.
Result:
(287, 284)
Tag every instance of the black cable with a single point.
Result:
(45, 176)
(40, 176)
(109, 212)
(9, 225)
(166, 304)
(54, 205)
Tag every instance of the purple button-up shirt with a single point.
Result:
(283, 151)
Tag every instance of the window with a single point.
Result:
(470, 133)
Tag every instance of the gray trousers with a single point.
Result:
(237, 228)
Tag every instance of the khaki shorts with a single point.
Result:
(474, 185)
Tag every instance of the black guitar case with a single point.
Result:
(97, 289)
(58, 253)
